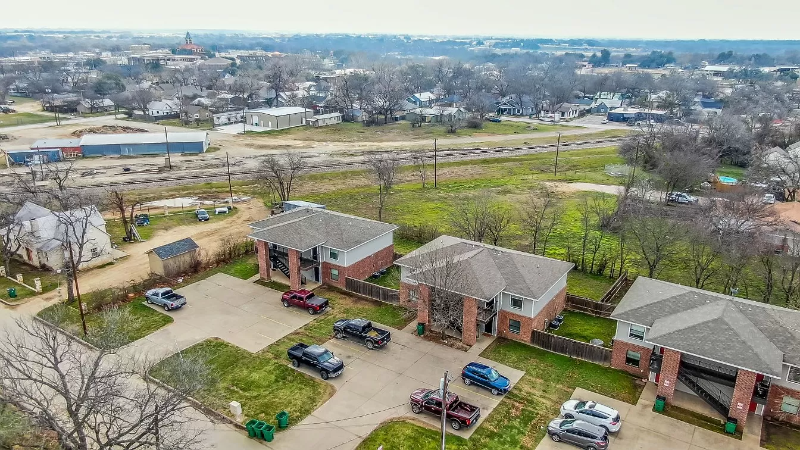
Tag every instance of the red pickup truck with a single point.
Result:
(304, 299)
(458, 413)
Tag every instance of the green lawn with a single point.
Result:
(588, 285)
(780, 436)
(520, 419)
(244, 268)
(263, 384)
(584, 327)
(25, 118)
(541, 140)
(49, 280)
(145, 319)
(391, 279)
(205, 125)
(698, 420)
(159, 222)
(732, 171)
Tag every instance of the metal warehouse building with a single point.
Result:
(144, 143)
(25, 156)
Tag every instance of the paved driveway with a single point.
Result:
(375, 386)
(643, 429)
(245, 314)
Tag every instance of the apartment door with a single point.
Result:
(489, 327)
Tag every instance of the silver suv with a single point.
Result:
(592, 412)
(578, 432)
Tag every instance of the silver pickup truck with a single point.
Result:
(165, 297)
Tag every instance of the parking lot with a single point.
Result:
(243, 313)
(375, 386)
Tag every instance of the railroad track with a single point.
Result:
(406, 158)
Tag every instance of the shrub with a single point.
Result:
(475, 124)
(418, 233)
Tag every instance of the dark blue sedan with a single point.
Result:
(485, 376)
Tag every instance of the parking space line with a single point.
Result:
(462, 388)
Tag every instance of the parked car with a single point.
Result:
(458, 413)
(316, 356)
(485, 376)
(362, 330)
(165, 297)
(579, 433)
(495, 119)
(769, 199)
(202, 215)
(592, 412)
(305, 299)
(681, 197)
(141, 220)
(604, 121)
(10, 102)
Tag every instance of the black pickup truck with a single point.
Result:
(362, 330)
(317, 356)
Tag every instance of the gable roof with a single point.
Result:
(743, 333)
(304, 228)
(486, 270)
(175, 248)
(30, 211)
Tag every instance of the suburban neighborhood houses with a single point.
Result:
(232, 237)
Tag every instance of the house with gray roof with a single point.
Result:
(174, 258)
(505, 292)
(317, 245)
(740, 356)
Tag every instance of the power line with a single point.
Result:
(349, 418)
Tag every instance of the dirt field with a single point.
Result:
(135, 266)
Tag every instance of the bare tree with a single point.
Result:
(704, 252)
(384, 167)
(655, 237)
(12, 235)
(470, 216)
(420, 161)
(280, 173)
(497, 222)
(788, 265)
(779, 167)
(440, 270)
(126, 211)
(139, 98)
(388, 90)
(540, 214)
(91, 399)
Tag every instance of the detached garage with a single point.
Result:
(174, 258)
(144, 143)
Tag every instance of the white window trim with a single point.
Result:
(331, 252)
(788, 372)
(512, 331)
(337, 274)
(640, 359)
(631, 335)
(511, 299)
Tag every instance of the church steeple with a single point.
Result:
(188, 38)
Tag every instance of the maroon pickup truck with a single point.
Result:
(304, 299)
(459, 414)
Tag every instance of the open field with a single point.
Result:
(160, 222)
(204, 125)
(23, 118)
(520, 419)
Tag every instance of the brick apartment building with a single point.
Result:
(322, 246)
(504, 292)
(742, 357)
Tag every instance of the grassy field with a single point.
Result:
(244, 268)
(540, 140)
(49, 280)
(24, 118)
(263, 385)
(584, 327)
(205, 125)
(520, 419)
(732, 171)
(403, 131)
(588, 285)
(780, 436)
(698, 420)
(160, 222)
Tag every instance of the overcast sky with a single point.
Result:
(664, 19)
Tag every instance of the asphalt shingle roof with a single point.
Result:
(175, 248)
(487, 270)
(735, 331)
(305, 228)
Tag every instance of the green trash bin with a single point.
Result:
(268, 432)
(12, 292)
(283, 419)
(250, 425)
(660, 402)
(730, 425)
(259, 428)
(420, 329)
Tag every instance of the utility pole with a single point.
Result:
(74, 275)
(169, 158)
(443, 388)
(230, 186)
(435, 157)
(558, 144)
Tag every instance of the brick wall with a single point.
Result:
(669, 374)
(774, 400)
(742, 395)
(551, 310)
(469, 333)
(423, 304)
(619, 353)
(294, 269)
(405, 296)
(525, 326)
(325, 274)
(360, 270)
(262, 249)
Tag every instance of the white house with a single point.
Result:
(163, 108)
(43, 236)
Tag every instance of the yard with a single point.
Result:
(588, 285)
(160, 222)
(391, 279)
(779, 436)
(50, 281)
(520, 419)
(585, 327)
(244, 268)
(23, 118)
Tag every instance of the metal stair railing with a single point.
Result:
(281, 265)
(711, 394)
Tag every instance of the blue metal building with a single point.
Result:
(26, 157)
(144, 143)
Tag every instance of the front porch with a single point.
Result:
(286, 265)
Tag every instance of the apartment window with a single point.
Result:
(413, 295)
(790, 405)
(636, 332)
(95, 252)
(513, 326)
(334, 254)
(794, 374)
(335, 274)
(516, 302)
(633, 358)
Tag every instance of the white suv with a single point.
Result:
(592, 412)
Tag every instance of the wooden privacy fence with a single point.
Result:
(571, 347)
(589, 306)
(373, 291)
(615, 288)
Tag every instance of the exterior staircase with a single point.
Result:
(706, 390)
(278, 262)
